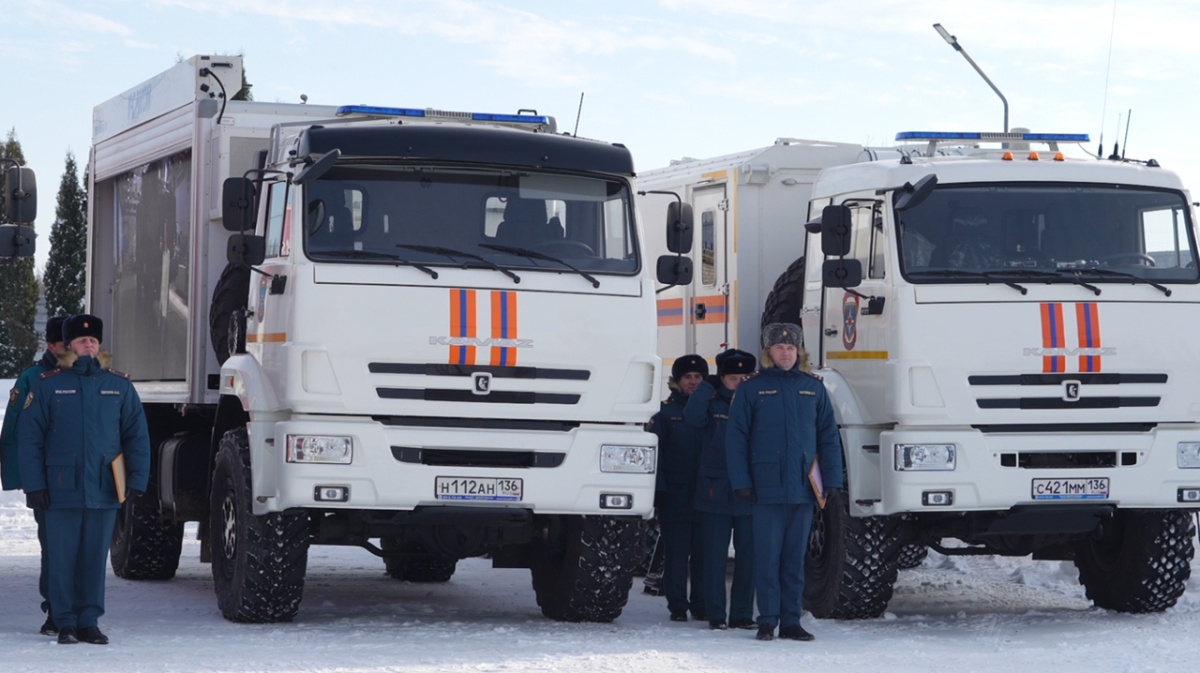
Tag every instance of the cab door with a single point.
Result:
(706, 306)
(855, 323)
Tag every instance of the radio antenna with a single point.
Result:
(1107, 69)
(578, 115)
(1125, 142)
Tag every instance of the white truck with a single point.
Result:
(432, 337)
(1007, 334)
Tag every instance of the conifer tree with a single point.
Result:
(18, 292)
(65, 274)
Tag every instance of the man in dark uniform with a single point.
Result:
(720, 512)
(678, 463)
(77, 420)
(780, 422)
(10, 473)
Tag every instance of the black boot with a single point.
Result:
(679, 616)
(717, 625)
(742, 624)
(66, 636)
(49, 629)
(92, 634)
(796, 632)
(765, 632)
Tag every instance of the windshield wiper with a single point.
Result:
(369, 254)
(533, 254)
(452, 253)
(1057, 274)
(1123, 274)
(957, 273)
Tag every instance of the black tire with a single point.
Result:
(230, 295)
(787, 296)
(258, 562)
(850, 568)
(911, 556)
(428, 568)
(588, 577)
(145, 544)
(1140, 562)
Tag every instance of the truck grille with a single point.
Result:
(1076, 387)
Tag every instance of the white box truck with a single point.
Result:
(428, 334)
(1007, 335)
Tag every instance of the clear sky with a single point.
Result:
(668, 78)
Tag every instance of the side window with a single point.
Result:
(860, 235)
(1164, 238)
(708, 249)
(878, 244)
(278, 220)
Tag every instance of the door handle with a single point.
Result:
(701, 311)
(831, 331)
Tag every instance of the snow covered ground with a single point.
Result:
(951, 614)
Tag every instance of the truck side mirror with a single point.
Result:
(16, 240)
(20, 206)
(246, 249)
(679, 228)
(674, 270)
(237, 204)
(835, 231)
(842, 273)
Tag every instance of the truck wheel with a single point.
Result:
(229, 295)
(145, 545)
(851, 563)
(587, 578)
(1140, 561)
(787, 296)
(258, 562)
(911, 556)
(417, 568)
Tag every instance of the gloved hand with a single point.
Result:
(746, 494)
(133, 493)
(660, 499)
(714, 381)
(38, 499)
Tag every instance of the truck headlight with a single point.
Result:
(319, 449)
(924, 457)
(1188, 455)
(620, 458)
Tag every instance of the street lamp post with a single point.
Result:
(953, 42)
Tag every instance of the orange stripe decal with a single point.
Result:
(269, 337)
(1053, 336)
(1087, 317)
(462, 324)
(670, 312)
(504, 326)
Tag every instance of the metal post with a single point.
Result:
(953, 42)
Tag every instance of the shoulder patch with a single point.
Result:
(13, 396)
(29, 399)
(52, 372)
(118, 373)
(814, 376)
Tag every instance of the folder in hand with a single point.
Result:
(118, 468)
(818, 482)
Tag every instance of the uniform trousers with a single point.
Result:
(681, 543)
(78, 540)
(39, 516)
(716, 530)
(780, 543)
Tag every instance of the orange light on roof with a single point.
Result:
(1033, 156)
(1059, 157)
(1006, 157)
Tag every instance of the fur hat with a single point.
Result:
(54, 328)
(734, 361)
(689, 363)
(782, 333)
(82, 325)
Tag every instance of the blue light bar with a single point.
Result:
(440, 114)
(994, 137)
(375, 110)
(527, 119)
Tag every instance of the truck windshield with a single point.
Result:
(1068, 231)
(438, 215)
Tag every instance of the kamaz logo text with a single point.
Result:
(1054, 352)
(475, 341)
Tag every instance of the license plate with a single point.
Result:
(1086, 488)
(477, 488)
